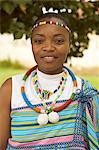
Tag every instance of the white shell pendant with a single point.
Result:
(53, 117)
(42, 119)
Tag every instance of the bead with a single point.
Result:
(51, 22)
(42, 111)
(56, 23)
(53, 117)
(42, 119)
(40, 23)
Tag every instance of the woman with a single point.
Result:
(49, 108)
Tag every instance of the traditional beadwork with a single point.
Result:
(44, 94)
(52, 23)
(53, 108)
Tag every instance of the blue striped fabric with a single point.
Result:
(79, 122)
(25, 128)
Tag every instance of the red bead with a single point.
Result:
(60, 108)
(40, 90)
(54, 23)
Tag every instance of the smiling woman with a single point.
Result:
(51, 46)
(49, 107)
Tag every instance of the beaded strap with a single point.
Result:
(52, 23)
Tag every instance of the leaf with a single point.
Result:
(22, 1)
(23, 7)
(8, 7)
(20, 25)
(18, 35)
(1, 1)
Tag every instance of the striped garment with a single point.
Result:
(77, 129)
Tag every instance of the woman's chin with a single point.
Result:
(50, 69)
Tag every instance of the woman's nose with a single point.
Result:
(48, 46)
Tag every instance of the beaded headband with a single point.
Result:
(52, 23)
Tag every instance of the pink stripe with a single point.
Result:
(87, 111)
(43, 142)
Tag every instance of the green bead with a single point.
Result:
(25, 77)
(59, 23)
(72, 96)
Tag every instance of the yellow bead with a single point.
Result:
(43, 22)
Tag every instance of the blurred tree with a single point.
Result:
(17, 17)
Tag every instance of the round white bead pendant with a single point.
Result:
(53, 117)
(42, 119)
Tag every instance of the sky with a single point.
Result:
(21, 50)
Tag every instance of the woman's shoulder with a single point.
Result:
(6, 88)
(18, 77)
(85, 84)
(88, 91)
(5, 92)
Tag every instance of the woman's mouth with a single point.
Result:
(49, 59)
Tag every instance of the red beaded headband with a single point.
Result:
(52, 23)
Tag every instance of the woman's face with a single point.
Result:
(50, 46)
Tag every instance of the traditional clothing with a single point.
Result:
(78, 127)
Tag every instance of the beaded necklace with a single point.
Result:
(51, 113)
(44, 94)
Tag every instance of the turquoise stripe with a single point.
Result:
(43, 136)
(67, 126)
(35, 132)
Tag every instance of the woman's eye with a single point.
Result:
(38, 41)
(59, 41)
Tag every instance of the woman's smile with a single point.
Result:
(49, 59)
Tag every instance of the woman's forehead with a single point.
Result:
(48, 30)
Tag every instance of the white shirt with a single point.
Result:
(47, 82)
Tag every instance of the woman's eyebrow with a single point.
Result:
(38, 34)
(55, 35)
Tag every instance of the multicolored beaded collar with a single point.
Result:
(52, 23)
(48, 113)
(56, 109)
(44, 94)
